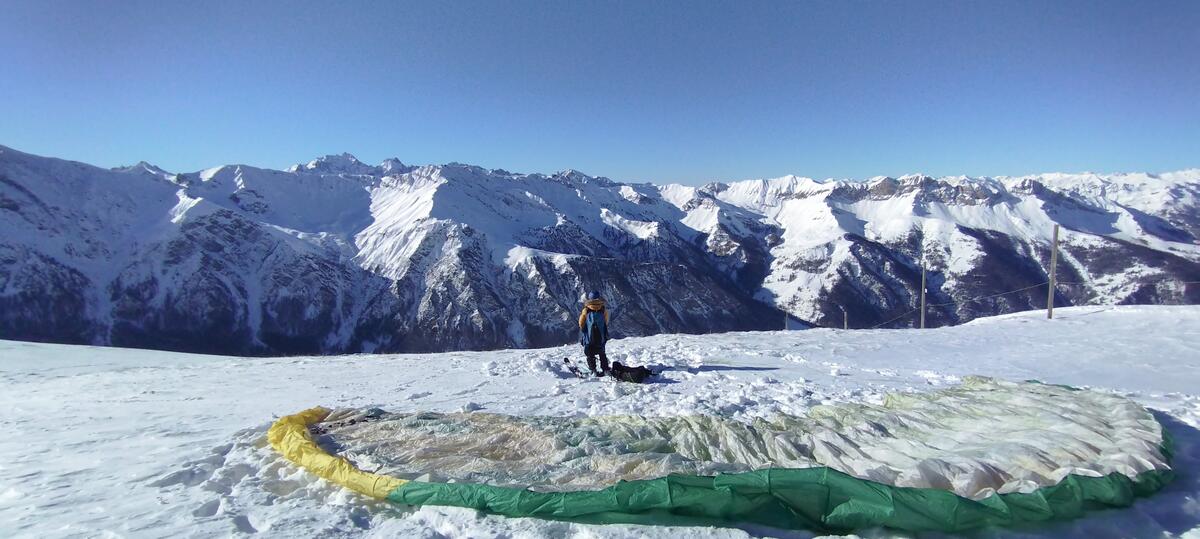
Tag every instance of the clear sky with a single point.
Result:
(637, 91)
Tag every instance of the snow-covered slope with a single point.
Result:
(116, 442)
(339, 256)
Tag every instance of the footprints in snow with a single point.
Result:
(250, 489)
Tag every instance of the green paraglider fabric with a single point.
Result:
(818, 499)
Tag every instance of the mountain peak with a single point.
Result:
(143, 166)
(393, 165)
(336, 164)
(571, 175)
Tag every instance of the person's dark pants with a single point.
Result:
(591, 358)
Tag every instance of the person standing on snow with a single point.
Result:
(593, 332)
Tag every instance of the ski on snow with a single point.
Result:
(575, 370)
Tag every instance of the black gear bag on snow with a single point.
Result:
(637, 375)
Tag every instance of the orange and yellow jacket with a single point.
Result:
(592, 305)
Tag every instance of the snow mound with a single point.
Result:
(977, 439)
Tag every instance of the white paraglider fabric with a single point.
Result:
(975, 439)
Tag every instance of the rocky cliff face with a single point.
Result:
(339, 256)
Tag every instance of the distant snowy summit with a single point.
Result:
(335, 255)
(348, 164)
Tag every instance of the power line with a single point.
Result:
(1051, 288)
(1094, 295)
(991, 295)
(894, 319)
(960, 301)
(1079, 283)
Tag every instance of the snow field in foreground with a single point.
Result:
(104, 441)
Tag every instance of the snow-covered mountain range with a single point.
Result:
(339, 256)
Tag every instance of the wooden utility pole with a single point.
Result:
(845, 319)
(922, 296)
(1053, 266)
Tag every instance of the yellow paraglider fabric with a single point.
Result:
(290, 437)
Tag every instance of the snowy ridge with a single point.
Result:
(339, 256)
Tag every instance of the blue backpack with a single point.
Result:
(594, 331)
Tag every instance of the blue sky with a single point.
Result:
(637, 91)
